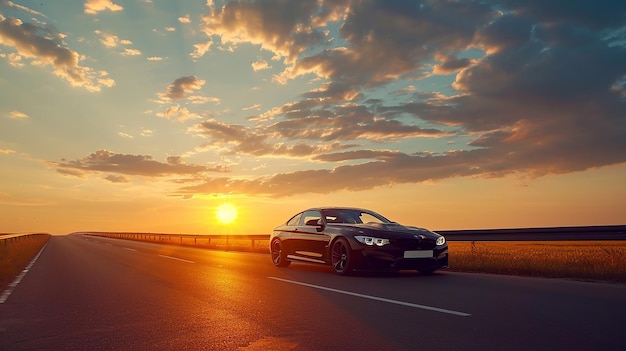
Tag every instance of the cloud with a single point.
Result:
(14, 59)
(113, 41)
(253, 107)
(200, 49)
(146, 133)
(309, 132)
(278, 26)
(21, 7)
(577, 13)
(537, 88)
(260, 65)
(108, 40)
(131, 52)
(7, 151)
(116, 178)
(450, 64)
(181, 114)
(181, 90)
(18, 115)
(199, 99)
(92, 7)
(397, 168)
(181, 87)
(387, 40)
(45, 48)
(127, 164)
(237, 139)
(125, 135)
(350, 122)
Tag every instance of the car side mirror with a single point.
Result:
(320, 225)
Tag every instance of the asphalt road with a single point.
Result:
(86, 293)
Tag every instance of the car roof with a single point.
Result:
(339, 208)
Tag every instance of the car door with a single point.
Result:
(287, 232)
(309, 240)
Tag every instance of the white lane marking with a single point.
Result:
(129, 249)
(5, 295)
(423, 307)
(176, 258)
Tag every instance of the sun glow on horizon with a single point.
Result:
(226, 213)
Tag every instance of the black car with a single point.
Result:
(351, 239)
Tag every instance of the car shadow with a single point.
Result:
(405, 274)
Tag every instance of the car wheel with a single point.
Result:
(278, 256)
(341, 257)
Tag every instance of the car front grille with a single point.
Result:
(414, 244)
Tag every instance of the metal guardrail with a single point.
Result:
(6, 239)
(197, 239)
(609, 232)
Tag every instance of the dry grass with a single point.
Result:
(16, 253)
(586, 260)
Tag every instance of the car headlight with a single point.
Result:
(371, 241)
(440, 241)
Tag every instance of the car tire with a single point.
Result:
(278, 256)
(341, 257)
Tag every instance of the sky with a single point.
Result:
(152, 115)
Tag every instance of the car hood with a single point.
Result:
(399, 230)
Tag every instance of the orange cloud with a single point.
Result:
(92, 7)
(110, 162)
(46, 48)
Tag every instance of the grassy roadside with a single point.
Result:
(15, 255)
(584, 260)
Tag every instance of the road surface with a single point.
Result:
(87, 293)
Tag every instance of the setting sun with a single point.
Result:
(226, 213)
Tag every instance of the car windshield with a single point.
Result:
(353, 216)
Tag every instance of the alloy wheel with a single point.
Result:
(340, 257)
(278, 257)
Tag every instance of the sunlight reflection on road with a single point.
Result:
(270, 343)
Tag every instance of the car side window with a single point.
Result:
(295, 220)
(310, 217)
(368, 218)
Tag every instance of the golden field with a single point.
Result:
(586, 260)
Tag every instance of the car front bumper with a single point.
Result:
(393, 260)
